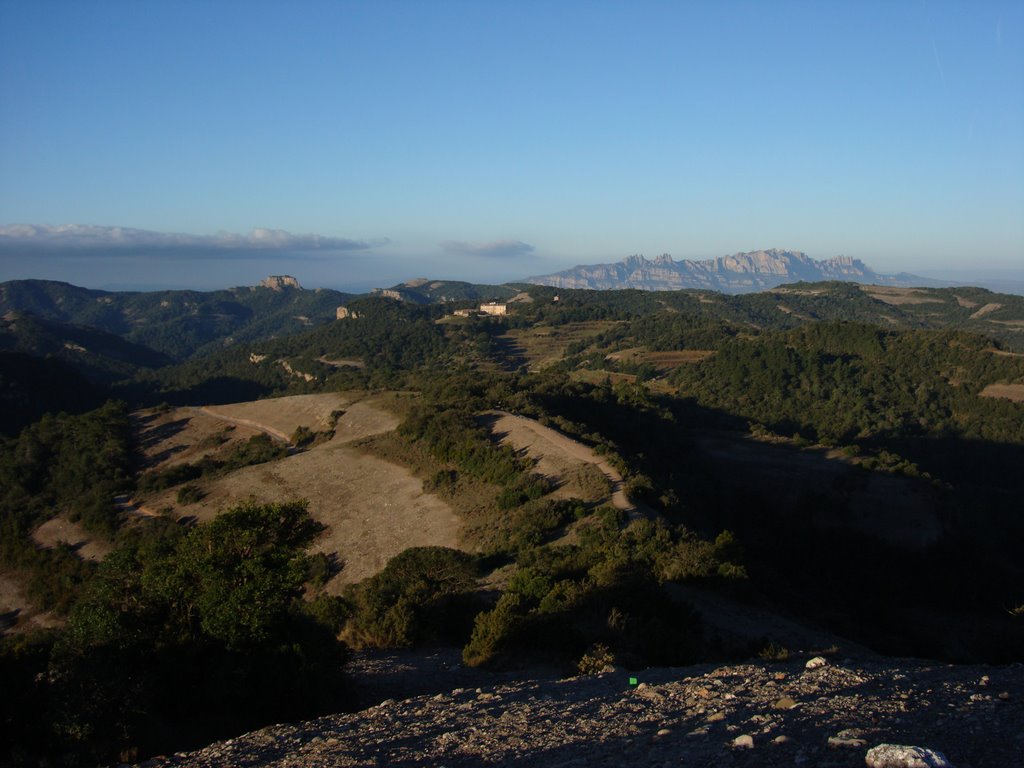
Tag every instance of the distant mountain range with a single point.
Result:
(740, 273)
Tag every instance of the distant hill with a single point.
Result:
(100, 356)
(740, 273)
(177, 323)
(424, 291)
(47, 366)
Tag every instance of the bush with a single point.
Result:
(186, 636)
(493, 630)
(303, 436)
(596, 660)
(773, 652)
(421, 595)
(190, 494)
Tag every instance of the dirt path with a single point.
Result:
(279, 417)
(555, 452)
(274, 433)
(130, 506)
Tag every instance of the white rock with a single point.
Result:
(817, 661)
(899, 756)
(746, 741)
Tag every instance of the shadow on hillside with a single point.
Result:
(216, 391)
(150, 436)
(507, 352)
(903, 565)
(8, 619)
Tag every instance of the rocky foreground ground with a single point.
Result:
(758, 714)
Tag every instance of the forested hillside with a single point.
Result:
(176, 323)
(844, 457)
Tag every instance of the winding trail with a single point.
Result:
(274, 433)
(545, 440)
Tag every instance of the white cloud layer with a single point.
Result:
(500, 249)
(69, 239)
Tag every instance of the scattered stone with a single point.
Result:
(786, 702)
(1004, 696)
(842, 742)
(899, 756)
(816, 662)
(594, 721)
(746, 741)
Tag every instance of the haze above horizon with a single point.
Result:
(202, 146)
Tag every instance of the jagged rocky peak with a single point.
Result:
(736, 273)
(280, 282)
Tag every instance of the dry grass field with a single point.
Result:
(897, 296)
(1013, 392)
(544, 345)
(663, 361)
(281, 416)
(372, 509)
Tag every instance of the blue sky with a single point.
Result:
(491, 140)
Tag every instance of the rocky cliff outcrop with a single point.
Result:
(280, 282)
(739, 273)
(791, 713)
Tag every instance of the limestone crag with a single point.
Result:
(739, 273)
(280, 282)
(827, 713)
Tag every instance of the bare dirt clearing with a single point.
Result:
(373, 509)
(965, 303)
(1013, 392)
(986, 309)
(60, 529)
(898, 296)
(17, 611)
